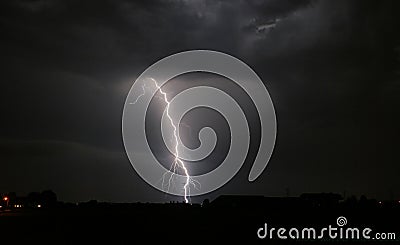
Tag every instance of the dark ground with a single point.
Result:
(226, 221)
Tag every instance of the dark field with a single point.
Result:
(227, 221)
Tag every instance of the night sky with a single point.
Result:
(332, 69)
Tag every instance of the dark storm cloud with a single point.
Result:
(85, 55)
(332, 69)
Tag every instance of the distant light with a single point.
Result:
(39, 206)
(1, 206)
(380, 202)
(5, 198)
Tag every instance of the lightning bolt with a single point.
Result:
(140, 95)
(177, 160)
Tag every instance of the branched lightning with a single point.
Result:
(140, 95)
(177, 160)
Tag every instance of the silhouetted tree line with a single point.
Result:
(48, 199)
(44, 199)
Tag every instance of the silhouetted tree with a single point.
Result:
(33, 199)
(352, 201)
(48, 198)
(363, 200)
